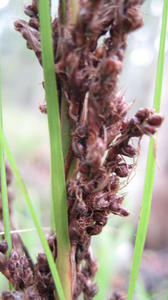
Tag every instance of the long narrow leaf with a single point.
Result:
(150, 169)
(58, 186)
(34, 217)
(4, 193)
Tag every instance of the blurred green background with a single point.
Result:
(27, 134)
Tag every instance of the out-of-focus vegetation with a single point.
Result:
(27, 133)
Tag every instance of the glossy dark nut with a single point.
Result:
(155, 120)
(149, 129)
(3, 247)
(122, 170)
(142, 113)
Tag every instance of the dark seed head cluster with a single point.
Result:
(88, 58)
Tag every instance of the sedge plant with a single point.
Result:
(81, 51)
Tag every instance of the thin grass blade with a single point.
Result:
(34, 216)
(150, 169)
(4, 193)
(58, 186)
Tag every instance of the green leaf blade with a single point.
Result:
(150, 169)
(58, 185)
(4, 193)
(34, 216)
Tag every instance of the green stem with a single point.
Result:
(34, 217)
(150, 169)
(4, 193)
(58, 186)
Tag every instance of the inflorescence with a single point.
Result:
(104, 143)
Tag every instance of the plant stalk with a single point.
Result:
(4, 193)
(65, 126)
(150, 169)
(58, 186)
(34, 216)
(74, 5)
